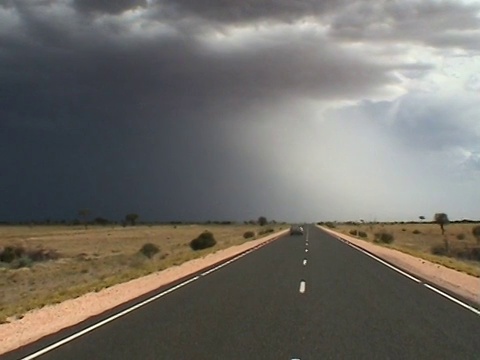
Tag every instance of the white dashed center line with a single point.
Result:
(306, 250)
(303, 286)
(304, 262)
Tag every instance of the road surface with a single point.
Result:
(301, 297)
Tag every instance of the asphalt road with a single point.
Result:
(349, 307)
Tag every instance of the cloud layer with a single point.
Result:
(228, 109)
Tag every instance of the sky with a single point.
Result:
(229, 110)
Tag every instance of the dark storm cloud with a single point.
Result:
(74, 76)
(128, 112)
(95, 115)
(108, 6)
(238, 12)
(440, 24)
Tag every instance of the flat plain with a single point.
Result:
(98, 257)
(425, 240)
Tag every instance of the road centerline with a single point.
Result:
(303, 286)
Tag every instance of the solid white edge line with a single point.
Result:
(451, 298)
(107, 320)
(135, 307)
(390, 266)
(439, 292)
(303, 286)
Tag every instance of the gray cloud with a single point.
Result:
(74, 72)
(108, 6)
(473, 162)
(144, 113)
(422, 122)
(473, 83)
(440, 24)
(244, 12)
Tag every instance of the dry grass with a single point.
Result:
(96, 258)
(418, 240)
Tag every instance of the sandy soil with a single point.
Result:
(50, 319)
(39, 323)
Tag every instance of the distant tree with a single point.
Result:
(131, 218)
(476, 233)
(421, 218)
(84, 214)
(262, 220)
(442, 220)
(100, 221)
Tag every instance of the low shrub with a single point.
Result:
(384, 237)
(416, 232)
(248, 234)
(149, 250)
(21, 262)
(362, 234)
(18, 256)
(203, 241)
(8, 254)
(353, 232)
(465, 252)
(461, 236)
(404, 229)
(266, 231)
(439, 249)
(43, 255)
(475, 253)
(330, 225)
(476, 233)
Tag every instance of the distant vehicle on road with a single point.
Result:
(296, 230)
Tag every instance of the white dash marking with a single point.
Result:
(303, 286)
(306, 250)
(304, 262)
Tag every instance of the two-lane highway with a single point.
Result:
(301, 297)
